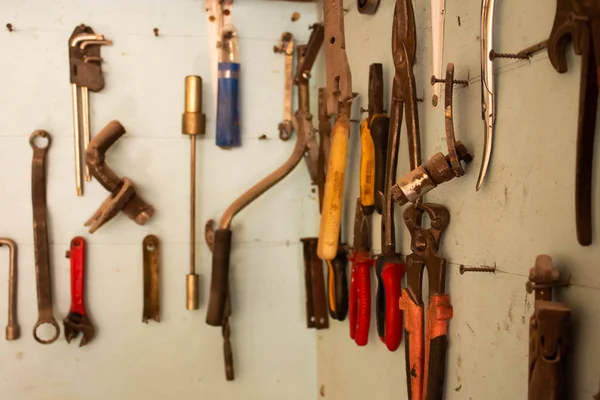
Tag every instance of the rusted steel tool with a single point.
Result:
(85, 70)
(193, 123)
(13, 330)
(286, 46)
(360, 284)
(40, 235)
(305, 145)
(225, 328)
(151, 251)
(579, 20)
(316, 302)
(548, 334)
(389, 267)
(77, 320)
(440, 168)
(123, 195)
(339, 102)
(488, 93)
(426, 362)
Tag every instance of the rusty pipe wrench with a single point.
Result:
(579, 20)
(488, 99)
(40, 235)
(13, 330)
(339, 101)
(286, 47)
(305, 142)
(78, 321)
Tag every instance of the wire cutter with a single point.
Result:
(426, 362)
(580, 19)
(389, 267)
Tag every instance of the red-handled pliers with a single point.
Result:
(360, 284)
(426, 361)
(77, 320)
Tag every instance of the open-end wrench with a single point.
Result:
(77, 320)
(40, 235)
(286, 46)
(13, 330)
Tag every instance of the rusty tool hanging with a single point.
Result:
(426, 361)
(85, 70)
(13, 330)
(151, 252)
(78, 320)
(316, 301)
(579, 20)
(389, 268)
(549, 339)
(123, 195)
(193, 123)
(286, 47)
(439, 168)
(339, 102)
(40, 143)
(306, 146)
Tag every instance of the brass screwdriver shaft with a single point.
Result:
(192, 123)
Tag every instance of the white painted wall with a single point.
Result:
(525, 208)
(181, 356)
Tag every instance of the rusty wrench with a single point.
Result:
(13, 330)
(77, 320)
(40, 235)
(286, 46)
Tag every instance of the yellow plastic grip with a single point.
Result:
(334, 190)
(367, 166)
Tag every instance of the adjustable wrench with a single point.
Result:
(77, 320)
(40, 236)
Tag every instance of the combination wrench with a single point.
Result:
(40, 235)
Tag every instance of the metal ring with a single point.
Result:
(42, 134)
(40, 323)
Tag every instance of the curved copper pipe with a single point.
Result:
(13, 331)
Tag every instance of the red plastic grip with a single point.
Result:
(392, 281)
(360, 299)
(77, 257)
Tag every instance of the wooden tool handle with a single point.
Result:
(334, 190)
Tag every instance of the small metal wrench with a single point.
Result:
(77, 320)
(40, 235)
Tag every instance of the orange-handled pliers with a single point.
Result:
(426, 361)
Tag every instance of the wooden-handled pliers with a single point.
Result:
(426, 361)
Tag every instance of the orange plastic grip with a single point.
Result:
(392, 280)
(413, 324)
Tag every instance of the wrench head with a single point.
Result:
(77, 323)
